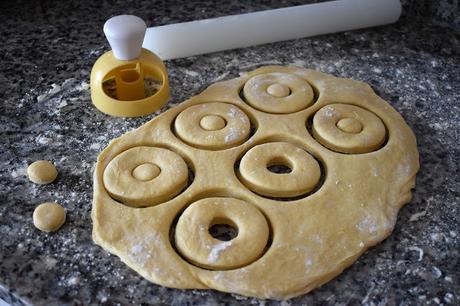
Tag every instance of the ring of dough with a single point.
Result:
(267, 92)
(213, 126)
(348, 129)
(304, 176)
(145, 176)
(196, 244)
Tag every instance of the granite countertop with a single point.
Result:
(47, 51)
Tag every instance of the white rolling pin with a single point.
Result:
(237, 31)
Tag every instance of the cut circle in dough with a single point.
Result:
(278, 93)
(145, 176)
(42, 172)
(213, 126)
(195, 243)
(49, 217)
(348, 128)
(254, 170)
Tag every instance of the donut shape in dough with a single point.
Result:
(278, 93)
(145, 176)
(305, 171)
(213, 126)
(196, 244)
(348, 128)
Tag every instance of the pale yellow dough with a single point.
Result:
(352, 163)
(42, 172)
(49, 217)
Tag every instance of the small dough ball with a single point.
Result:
(42, 172)
(49, 217)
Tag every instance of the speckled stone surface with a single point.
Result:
(47, 51)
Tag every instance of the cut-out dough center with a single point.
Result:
(212, 122)
(350, 125)
(278, 90)
(146, 172)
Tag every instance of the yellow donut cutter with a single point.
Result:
(119, 77)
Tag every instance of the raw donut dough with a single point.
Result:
(304, 175)
(145, 176)
(193, 226)
(278, 93)
(213, 125)
(42, 172)
(353, 162)
(49, 217)
(348, 129)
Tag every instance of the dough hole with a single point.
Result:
(223, 230)
(279, 165)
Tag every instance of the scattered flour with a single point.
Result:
(95, 146)
(191, 73)
(436, 272)
(417, 249)
(221, 77)
(50, 262)
(55, 88)
(329, 111)
(417, 216)
(368, 225)
(18, 172)
(144, 249)
(62, 104)
(233, 135)
(217, 249)
(73, 281)
(43, 140)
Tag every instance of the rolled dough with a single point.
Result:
(351, 162)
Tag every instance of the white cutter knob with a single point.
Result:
(125, 34)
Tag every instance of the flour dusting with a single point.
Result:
(368, 225)
(234, 134)
(329, 112)
(142, 251)
(217, 249)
